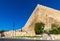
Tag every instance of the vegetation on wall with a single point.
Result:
(55, 29)
(39, 28)
(2, 33)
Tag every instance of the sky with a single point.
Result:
(17, 12)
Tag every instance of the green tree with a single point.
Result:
(39, 28)
(2, 33)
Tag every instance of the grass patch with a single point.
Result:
(27, 36)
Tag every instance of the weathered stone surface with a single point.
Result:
(40, 14)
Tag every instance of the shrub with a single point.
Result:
(54, 26)
(39, 28)
(55, 29)
(2, 33)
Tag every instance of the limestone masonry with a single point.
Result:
(40, 14)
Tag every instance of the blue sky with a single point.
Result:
(18, 11)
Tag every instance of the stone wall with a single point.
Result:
(42, 14)
(55, 37)
(17, 33)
